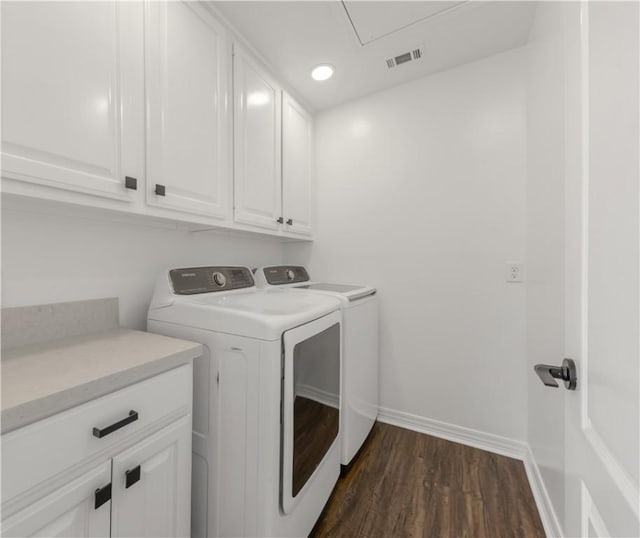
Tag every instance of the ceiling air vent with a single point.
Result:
(405, 57)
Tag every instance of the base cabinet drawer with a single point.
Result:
(68, 511)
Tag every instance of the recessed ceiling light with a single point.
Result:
(322, 72)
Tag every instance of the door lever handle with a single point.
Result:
(566, 372)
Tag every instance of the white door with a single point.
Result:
(67, 512)
(602, 277)
(187, 66)
(257, 144)
(72, 87)
(297, 176)
(152, 485)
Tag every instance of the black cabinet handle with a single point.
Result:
(566, 372)
(160, 190)
(131, 183)
(279, 220)
(289, 222)
(133, 416)
(131, 477)
(102, 495)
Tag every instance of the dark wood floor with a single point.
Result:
(410, 484)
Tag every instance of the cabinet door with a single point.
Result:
(72, 88)
(257, 154)
(297, 186)
(68, 511)
(187, 120)
(152, 485)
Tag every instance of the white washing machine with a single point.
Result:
(360, 362)
(266, 411)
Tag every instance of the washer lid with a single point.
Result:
(296, 277)
(348, 291)
(340, 288)
(264, 314)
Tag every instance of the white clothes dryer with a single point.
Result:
(360, 361)
(266, 444)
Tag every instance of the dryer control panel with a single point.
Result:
(192, 280)
(285, 274)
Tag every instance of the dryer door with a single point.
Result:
(311, 402)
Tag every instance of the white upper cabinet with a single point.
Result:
(72, 87)
(143, 107)
(187, 64)
(297, 183)
(257, 144)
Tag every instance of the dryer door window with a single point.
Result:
(311, 402)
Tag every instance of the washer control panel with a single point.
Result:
(285, 274)
(192, 280)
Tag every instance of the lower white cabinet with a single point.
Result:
(126, 475)
(67, 511)
(151, 485)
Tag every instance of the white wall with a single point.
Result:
(421, 194)
(55, 258)
(545, 241)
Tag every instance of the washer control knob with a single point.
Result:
(290, 274)
(219, 279)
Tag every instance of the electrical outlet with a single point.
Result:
(515, 272)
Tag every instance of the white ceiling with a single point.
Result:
(374, 20)
(295, 36)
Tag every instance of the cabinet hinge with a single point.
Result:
(102, 496)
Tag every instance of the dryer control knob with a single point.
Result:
(219, 279)
(290, 274)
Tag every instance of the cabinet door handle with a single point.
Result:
(160, 190)
(133, 416)
(131, 183)
(279, 220)
(131, 477)
(289, 222)
(102, 495)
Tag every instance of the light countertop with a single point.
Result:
(43, 379)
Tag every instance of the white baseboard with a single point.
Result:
(484, 441)
(548, 515)
(458, 434)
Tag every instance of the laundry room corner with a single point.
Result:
(421, 192)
